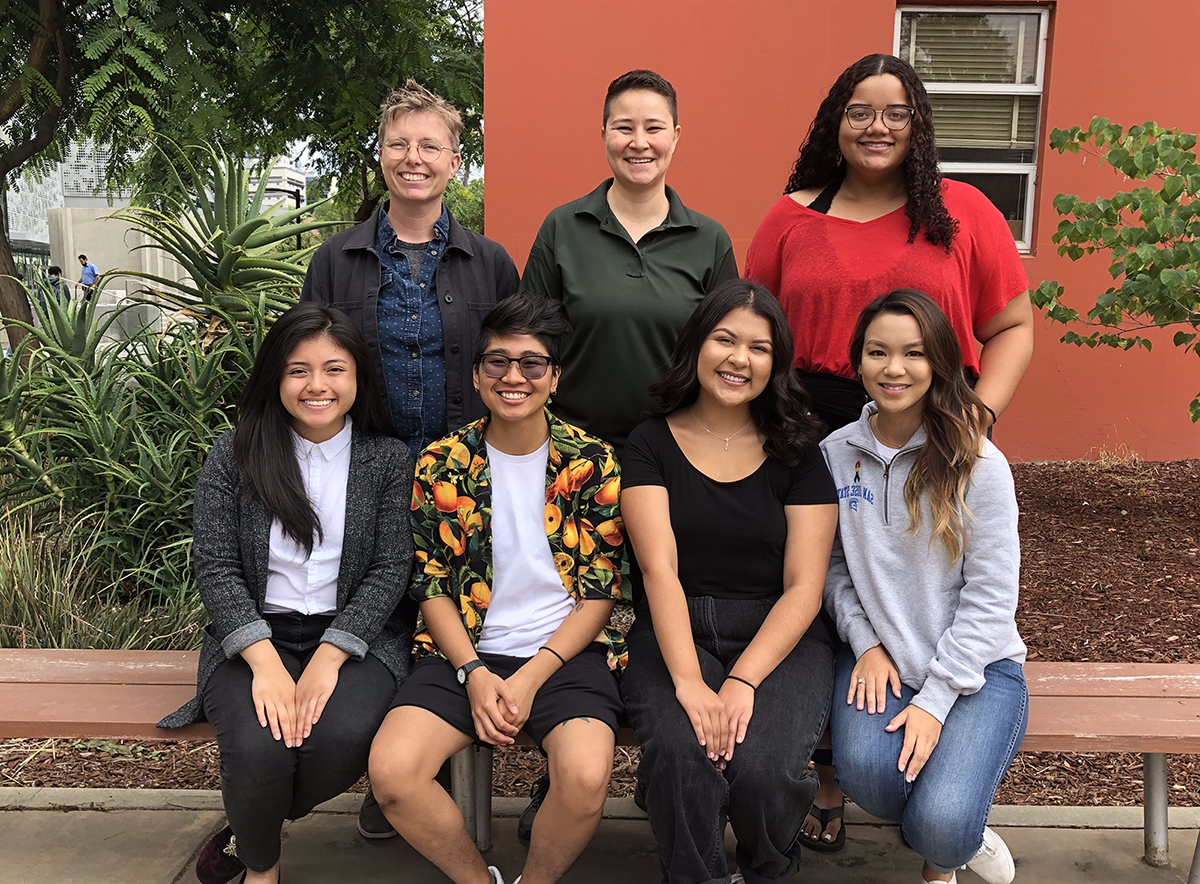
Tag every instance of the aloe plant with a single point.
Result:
(101, 442)
(224, 238)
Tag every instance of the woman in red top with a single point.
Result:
(866, 211)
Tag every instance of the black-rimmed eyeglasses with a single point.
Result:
(532, 368)
(895, 116)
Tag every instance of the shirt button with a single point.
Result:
(416, 394)
(449, 299)
(422, 285)
(433, 251)
(454, 349)
(415, 354)
(414, 316)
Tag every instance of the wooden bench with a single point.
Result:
(1149, 708)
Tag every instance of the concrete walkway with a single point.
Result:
(95, 836)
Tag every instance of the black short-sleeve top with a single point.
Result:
(729, 536)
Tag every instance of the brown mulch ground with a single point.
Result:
(1109, 575)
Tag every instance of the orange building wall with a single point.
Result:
(750, 76)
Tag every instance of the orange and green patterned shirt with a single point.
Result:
(452, 531)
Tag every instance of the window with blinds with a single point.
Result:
(983, 68)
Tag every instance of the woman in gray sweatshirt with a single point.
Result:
(923, 585)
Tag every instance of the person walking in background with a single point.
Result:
(58, 286)
(88, 274)
(930, 703)
(732, 512)
(519, 558)
(413, 280)
(866, 211)
(302, 550)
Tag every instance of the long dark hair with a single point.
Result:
(263, 448)
(818, 163)
(951, 412)
(782, 410)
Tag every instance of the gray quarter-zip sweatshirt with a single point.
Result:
(941, 622)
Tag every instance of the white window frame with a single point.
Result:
(1029, 170)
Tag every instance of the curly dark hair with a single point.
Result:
(782, 411)
(817, 165)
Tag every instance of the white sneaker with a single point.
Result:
(737, 878)
(953, 879)
(993, 863)
(496, 876)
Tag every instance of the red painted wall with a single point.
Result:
(750, 76)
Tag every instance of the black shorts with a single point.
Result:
(583, 687)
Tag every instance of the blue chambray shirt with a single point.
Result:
(410, 335)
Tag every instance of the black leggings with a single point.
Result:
(263, 782)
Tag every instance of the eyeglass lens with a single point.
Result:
(862, 116)
(428, 150)
(531, 367)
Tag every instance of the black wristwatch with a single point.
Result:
(464, 671)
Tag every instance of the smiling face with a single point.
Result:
(876, 152)
(318, 387)
(640, 138)
(895, 369)
(409, 176)
(735, 359)
(515, 398)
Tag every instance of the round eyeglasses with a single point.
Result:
(532, 368)
(427, 150)
(862, 116)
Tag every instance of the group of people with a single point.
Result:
(430, 435)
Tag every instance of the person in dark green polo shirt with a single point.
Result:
(630, 261)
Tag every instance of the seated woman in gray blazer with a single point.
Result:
(302, 550)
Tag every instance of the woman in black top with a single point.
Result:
(732, 513)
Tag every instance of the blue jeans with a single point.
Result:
(942, 813)
(765, 791)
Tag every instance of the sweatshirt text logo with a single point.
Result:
(855, 493)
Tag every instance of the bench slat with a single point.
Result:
(30, 666)
(1113, 679)
(102, 711)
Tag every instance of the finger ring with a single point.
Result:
(862, 681)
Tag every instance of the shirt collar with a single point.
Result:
(596, 205)
(330, 448)
(441, 227)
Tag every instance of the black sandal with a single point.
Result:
(823, 816)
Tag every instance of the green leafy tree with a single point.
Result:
(250, 77)
(1151, 235)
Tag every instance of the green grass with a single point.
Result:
(53, 596)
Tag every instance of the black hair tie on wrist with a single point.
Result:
(992, 413)
(555, 653)
(743, 681)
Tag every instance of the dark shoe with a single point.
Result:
(824, 816)
(536, 796)
(372, 823)
(218, 862)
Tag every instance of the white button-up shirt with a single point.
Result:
(307, 584)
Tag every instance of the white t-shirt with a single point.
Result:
(304, 583)
(884, 451)
(528, 599)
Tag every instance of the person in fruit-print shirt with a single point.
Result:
(519, 552)
(452, 505)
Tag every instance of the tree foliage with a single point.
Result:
(1151, 235)
(250, 77)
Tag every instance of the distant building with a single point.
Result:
(284, 183)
